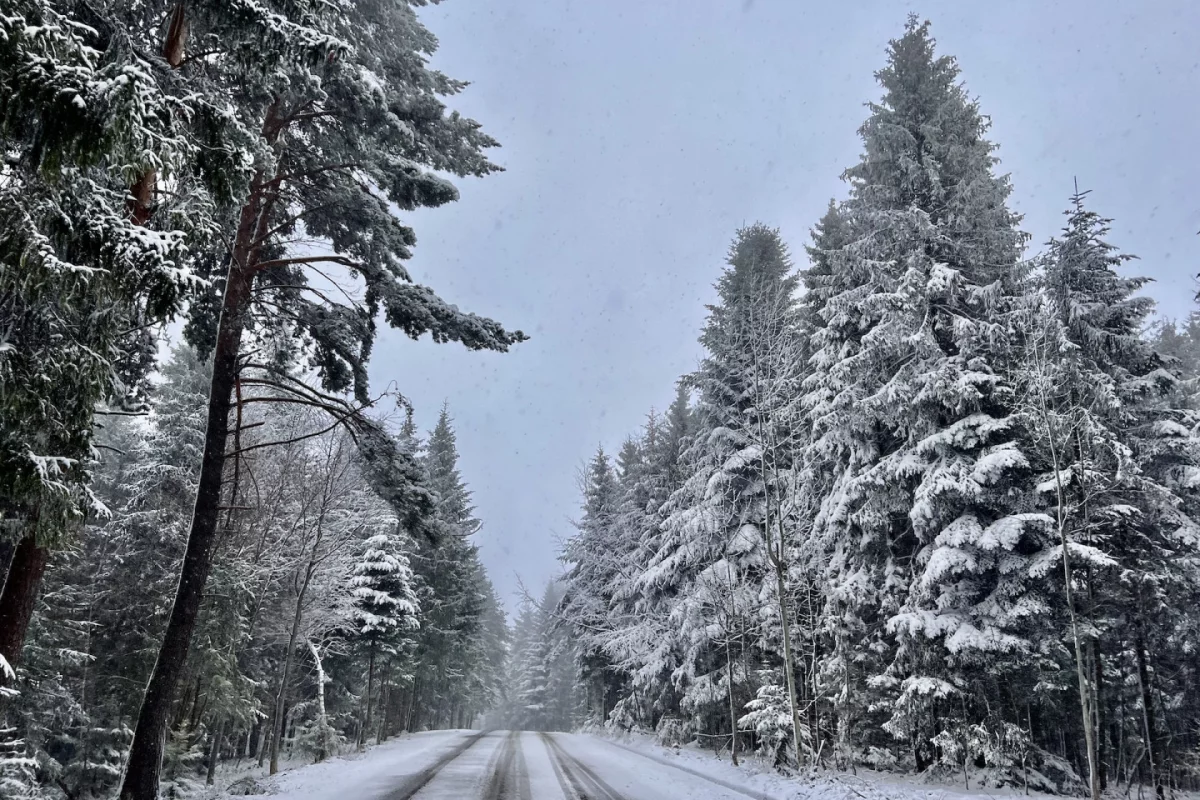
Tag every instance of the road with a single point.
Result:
(511, 765)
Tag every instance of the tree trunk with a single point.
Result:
(264, 745)
(385, 704)
(19, 596)
(787, 658)
(1148, 715)
(146, 750)
(149, 736)
(322, 718)
(362, 733)
(733, 741)
(252, 741)
(410, 714)
(213, 752)
(297, 618)
(8, 546)
(1098, 671)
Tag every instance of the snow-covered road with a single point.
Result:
(504, 765)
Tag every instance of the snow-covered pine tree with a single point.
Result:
(727, 510)
(1117, 454)
(594, 559)
(449, 573)
(923, 519)
(385, 602)
(84, 111)
(644, 645)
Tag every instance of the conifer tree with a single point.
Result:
(84, 110)
(910, 416)
(594, 567)
(1116, 452)
(384, 602)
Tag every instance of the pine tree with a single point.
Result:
(384, 602)
(594, 559)
(450, 575)
(923, 520)
(1116, 454)
(84, 280)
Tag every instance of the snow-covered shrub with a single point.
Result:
(770, 718)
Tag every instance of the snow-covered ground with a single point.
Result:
(465, 765)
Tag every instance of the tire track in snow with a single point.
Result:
(509, 775)
(577, 779)
(418, 782)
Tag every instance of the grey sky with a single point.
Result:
(639, 135)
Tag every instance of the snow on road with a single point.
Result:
(370, 775)
(503, 765)
(498, 765)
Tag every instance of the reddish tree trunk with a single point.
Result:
(19, 596)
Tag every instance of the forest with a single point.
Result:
(929, 503)
(227, 546)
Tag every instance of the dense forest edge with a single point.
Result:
(234, 552)
(929, 501)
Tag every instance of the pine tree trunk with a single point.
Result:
(19, 596)
(1098, 670)
(410, 715)
(252, 741)
(385, 704)
(149, 737)
(8, 546)
(263, 744)
(145, 753)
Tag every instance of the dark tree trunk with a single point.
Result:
(364, 732)
(1098, 678)
(213, 752)
(1152, 755)
(149, 737)
(7, 548)
(19, 597)
(252, 745)
(145, 754)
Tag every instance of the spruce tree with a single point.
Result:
(1117, 452)
(384, 603)
(923, 519)
(594, 566)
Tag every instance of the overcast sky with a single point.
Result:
(637, 137)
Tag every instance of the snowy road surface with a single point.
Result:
(504, 765)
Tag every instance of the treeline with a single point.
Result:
(181, 563)
(928, 502)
